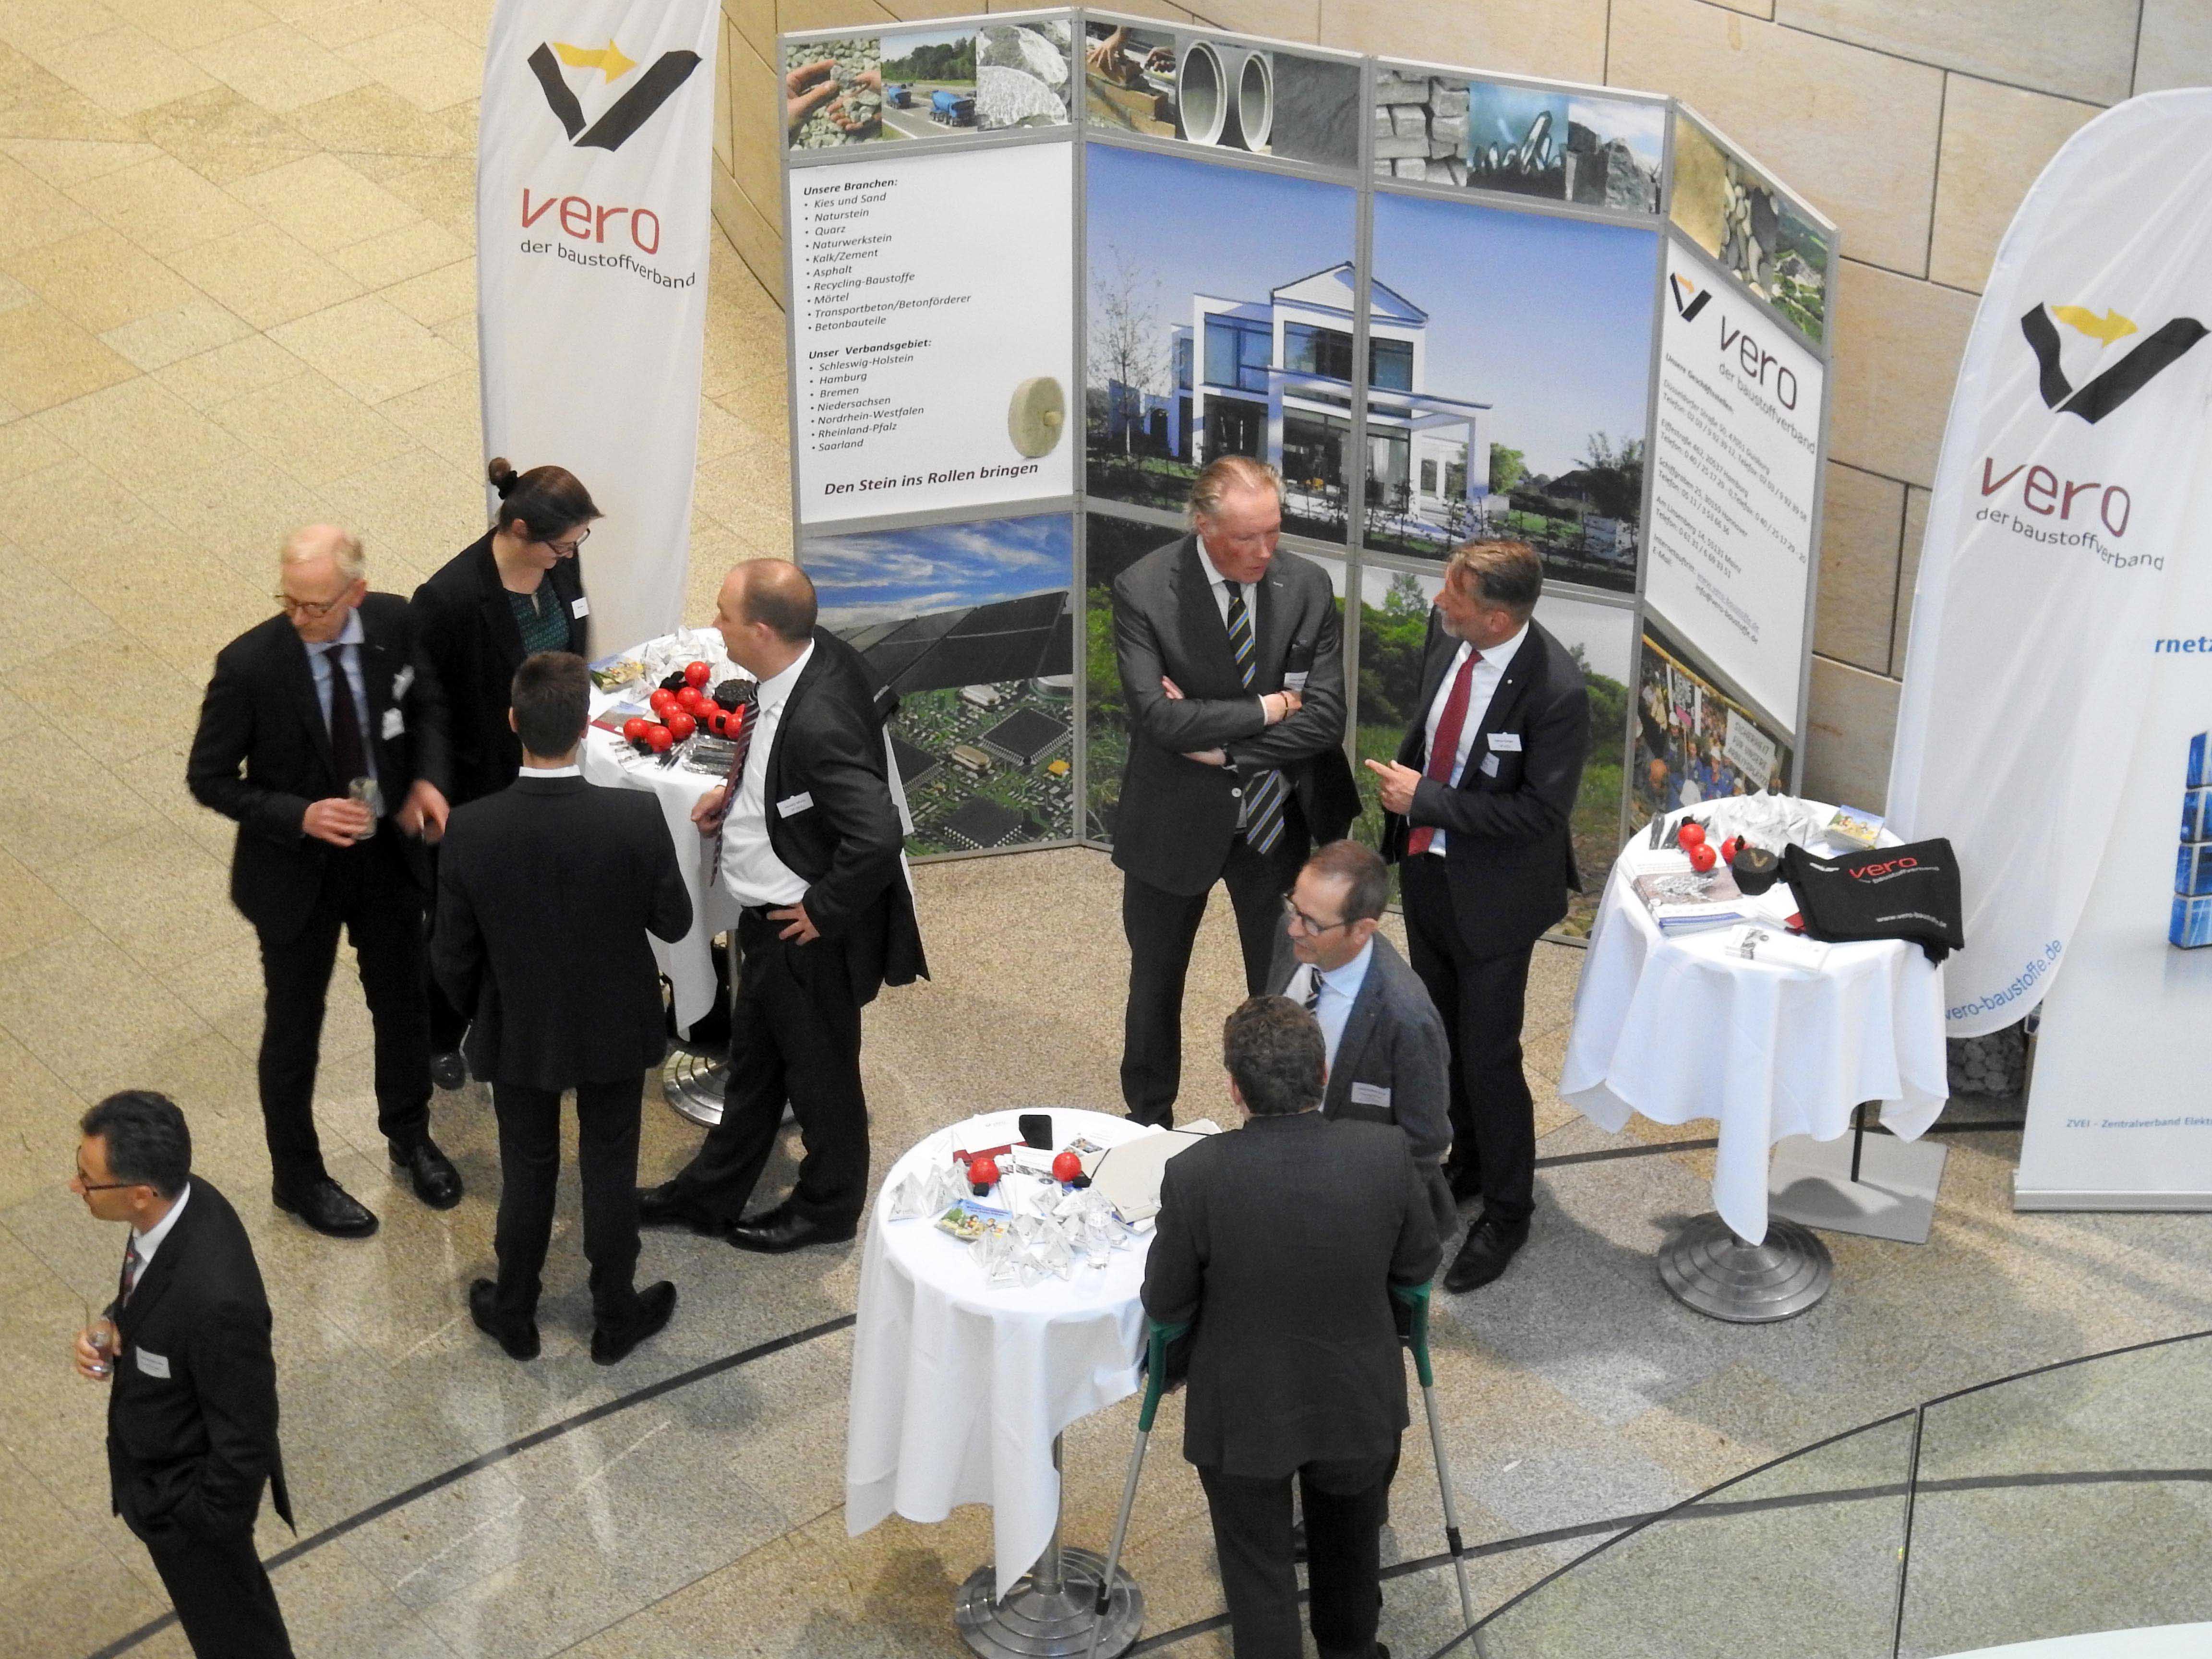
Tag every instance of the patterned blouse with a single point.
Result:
(544, 623)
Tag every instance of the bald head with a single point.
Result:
(321, 575)
(766, 613)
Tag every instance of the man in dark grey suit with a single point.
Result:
(1232, 665)
(546, 892)
(1389, 1060)
(1281, 1241)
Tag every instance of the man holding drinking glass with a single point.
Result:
(323, 733)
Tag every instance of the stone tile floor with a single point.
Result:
(236, 294)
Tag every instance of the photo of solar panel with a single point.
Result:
(970, 624)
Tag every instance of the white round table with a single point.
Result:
(1677, 1028)
(961, 1388)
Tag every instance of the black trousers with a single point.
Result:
(529, 1167)
(368, 891)
(221, 1592)
(794, 1037)
(1345, 1502)
(1160, 927)
(1483, 999)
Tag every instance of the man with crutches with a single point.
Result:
(1280, 1246)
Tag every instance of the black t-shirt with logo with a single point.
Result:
(1891, 892)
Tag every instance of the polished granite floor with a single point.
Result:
(235, 294)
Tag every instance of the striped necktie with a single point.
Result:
(741, 744)
(1313, 990)
(129, 1280)
(1264, 792)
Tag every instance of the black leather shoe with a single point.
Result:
(328, 1208)
(519, 1345)
(1484, 1256)
(449, 1071)
(432, 1174)
(612, 1344)
(660, 1207)
(778, 1230)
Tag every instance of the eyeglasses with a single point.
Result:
(567, 550)
(84, 1183)
(313, 610)
(1292, 910)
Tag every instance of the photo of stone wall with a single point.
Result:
(1735, 214)
(1547, 142)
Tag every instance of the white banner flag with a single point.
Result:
(2066, 497)
(593, 216)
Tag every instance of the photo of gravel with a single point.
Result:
(833, 91)
(1524, 140)
(1728, 209)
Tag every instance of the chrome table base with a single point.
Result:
(1708, 1268)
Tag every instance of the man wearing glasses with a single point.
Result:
(184, 1348)
(322, 734)
(1389, 1060)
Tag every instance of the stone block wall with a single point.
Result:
(1916, 124)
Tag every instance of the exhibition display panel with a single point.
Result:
(1044, 266)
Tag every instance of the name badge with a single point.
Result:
(1489, 767)
(1370, 1093)
(394, 724)
(402, 680)
(1505, 743)
(1296, 680)
(790, 803)
(581, 609)
(153, 1364)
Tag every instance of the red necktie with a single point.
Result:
(1445, 748)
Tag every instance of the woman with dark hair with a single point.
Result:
(516, 591)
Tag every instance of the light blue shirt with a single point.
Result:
(1339, 989)
(348, 645)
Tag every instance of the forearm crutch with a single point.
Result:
(1156, 1337)
(1416, 1298)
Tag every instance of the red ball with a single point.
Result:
(1729, 849)
(1703, 857)
(634, 726)
(662, 700)
(697, 674)
(681, 725)
(660, 739)
(983, 1171)
(694, 701)
(1692, 834)
(1066, 1167)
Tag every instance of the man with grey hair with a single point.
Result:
(322, 734)
(1232, 669)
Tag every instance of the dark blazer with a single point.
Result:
(191, 1449)
(1281, 1240)
(470, 633)
(841, 836)
(262, 754)
(1508, 851)
(1393, 1046)
(1177, 817)
(545, 893)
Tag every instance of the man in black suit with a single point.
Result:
(191, 1406)
(1232, 667)
(804, 841)
(1476, 812)
(1281, 1241)
(545, 893)
(331, 793)
(1389, 1060)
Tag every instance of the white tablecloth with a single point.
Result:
(1675, 1029)
(958, 1388)
(608, 759)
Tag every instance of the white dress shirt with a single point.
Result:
(751, 872)
(1481, 688)
(347, 648)
(1339, 989)
(150, 1240)
(571, 770)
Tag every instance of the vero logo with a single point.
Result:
(2114, 384)
(626, 114)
